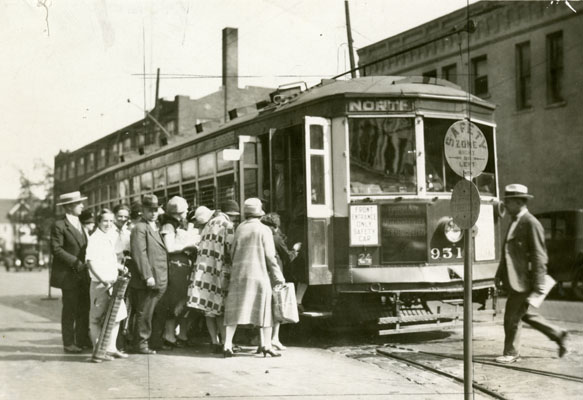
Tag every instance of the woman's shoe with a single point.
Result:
(278, 346)
(259, 350)
(228, 353)
(270, 352)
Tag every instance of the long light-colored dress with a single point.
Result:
(254, 259)
(210, 277)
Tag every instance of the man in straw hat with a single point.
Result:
(69, 272)
(522, 272)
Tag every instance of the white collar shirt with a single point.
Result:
(75, 222)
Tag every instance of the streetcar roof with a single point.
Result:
(402, 86)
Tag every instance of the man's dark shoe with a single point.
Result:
(563, 344)
(72, 349)
(146, 350)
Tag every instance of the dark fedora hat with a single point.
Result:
(516, 191)
(150, 201)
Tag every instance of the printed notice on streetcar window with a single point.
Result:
(364, 225)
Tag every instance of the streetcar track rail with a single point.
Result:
(481, 388)
(573, 378)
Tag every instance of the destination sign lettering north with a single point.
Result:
(380, 105)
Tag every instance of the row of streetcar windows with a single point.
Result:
(383, 157)
(207, 180)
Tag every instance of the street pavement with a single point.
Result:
(33, 365)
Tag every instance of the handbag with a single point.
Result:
(285, 307)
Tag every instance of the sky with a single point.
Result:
(68, 67)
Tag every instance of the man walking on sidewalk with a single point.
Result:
(522, 272)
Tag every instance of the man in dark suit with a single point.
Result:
(69, 272)
(150, 272)
(522, 271)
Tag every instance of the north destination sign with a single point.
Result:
(380, 105)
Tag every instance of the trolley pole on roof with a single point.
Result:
(349, 34)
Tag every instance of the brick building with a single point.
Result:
(523, 56)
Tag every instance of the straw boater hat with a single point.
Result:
(252, 207)
(516, 191)
(70, 198)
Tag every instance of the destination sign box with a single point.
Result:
(380, 105)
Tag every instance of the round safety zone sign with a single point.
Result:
(466, 149)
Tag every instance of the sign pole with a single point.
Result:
(468, 316)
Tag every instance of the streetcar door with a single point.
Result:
(318, 200)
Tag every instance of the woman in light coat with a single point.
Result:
(254, 259)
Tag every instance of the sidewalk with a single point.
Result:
(33, 366)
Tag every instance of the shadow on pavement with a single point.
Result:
(50, 309)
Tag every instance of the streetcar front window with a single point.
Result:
(439, 176)
(382, 156)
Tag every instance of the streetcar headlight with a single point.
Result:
(452, 232)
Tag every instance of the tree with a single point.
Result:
(36, 191)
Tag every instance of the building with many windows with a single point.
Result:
(523, 56)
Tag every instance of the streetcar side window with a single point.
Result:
(382, 156)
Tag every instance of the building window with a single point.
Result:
(480, 76)
(127, 143)
(523, 87)
(430, 74)
(555, 68)
(449, 72)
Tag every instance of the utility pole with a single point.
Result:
(349, 34)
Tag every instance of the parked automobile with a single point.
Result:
(564, 240)
(26, 256)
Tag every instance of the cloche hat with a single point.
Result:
(516, 190)
(202, 215)
(252, 207)
(70, 198)
(230, 207)
(176, 205)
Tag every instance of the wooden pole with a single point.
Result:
(349, 34)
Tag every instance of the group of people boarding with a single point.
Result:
(180, 263)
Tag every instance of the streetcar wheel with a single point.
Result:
(577, 284)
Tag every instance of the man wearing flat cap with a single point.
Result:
(150, 278)
(69, 272)
(522, 272)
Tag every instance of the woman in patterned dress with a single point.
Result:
(210, 278)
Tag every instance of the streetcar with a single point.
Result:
(356, 170)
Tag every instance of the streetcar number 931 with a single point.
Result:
(446, 252)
